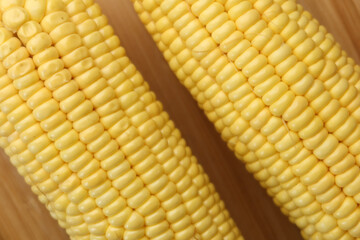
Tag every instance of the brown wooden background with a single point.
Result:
(22, 217)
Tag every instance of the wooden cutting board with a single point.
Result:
(22, 217)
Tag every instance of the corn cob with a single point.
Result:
(112, 171)
(261, 174)
(142, 88)
(289, 142)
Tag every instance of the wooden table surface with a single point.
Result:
(22, 217)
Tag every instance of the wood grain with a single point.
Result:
(22, 217)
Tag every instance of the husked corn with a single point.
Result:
(277, 99)
(83, 128)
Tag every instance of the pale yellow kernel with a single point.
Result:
(315, 174)
(182, 224)
(221, 34)
(135, 222)
(268, 83)
(21, 68)
(315, 141)
(323, 184)
(326, 224)
(239, 9)
(157, 230)
(74, 101)
(92, 91)
(38, 43)
(31, 133)
(304, 166)
(52, 20)
(49, 68)
(345, 178)
(234, 45)
(281, 105)
(91, 133)
(46, 110)
(4, 4)
(103, 97)
(68, 44)
(124, 179)
(75, 7)
(113, 233)
(280, 55)
(121, 216)
(137, 234)
(62, 30)
(330, 110)
(316, 217)
(255, 65)
(246, 57)
(16, 56)
(117, 206)
(328, 71)
(295, 73)
(346, 130)
(302, 50)
(149, 207)
(36, 9)
(186, 233)
(275, 93)
(302, 86)
(99, 190)
(54, 6)
(349, 221)
(9, 46)
(48, 54)
(346, 161)
(14, 17)
(327, 147)
(247, 19)
(4, 36)
(334, 234)
(70, 184)
(353, 188)
(66, 140)
(156, 217)
(99, 228)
